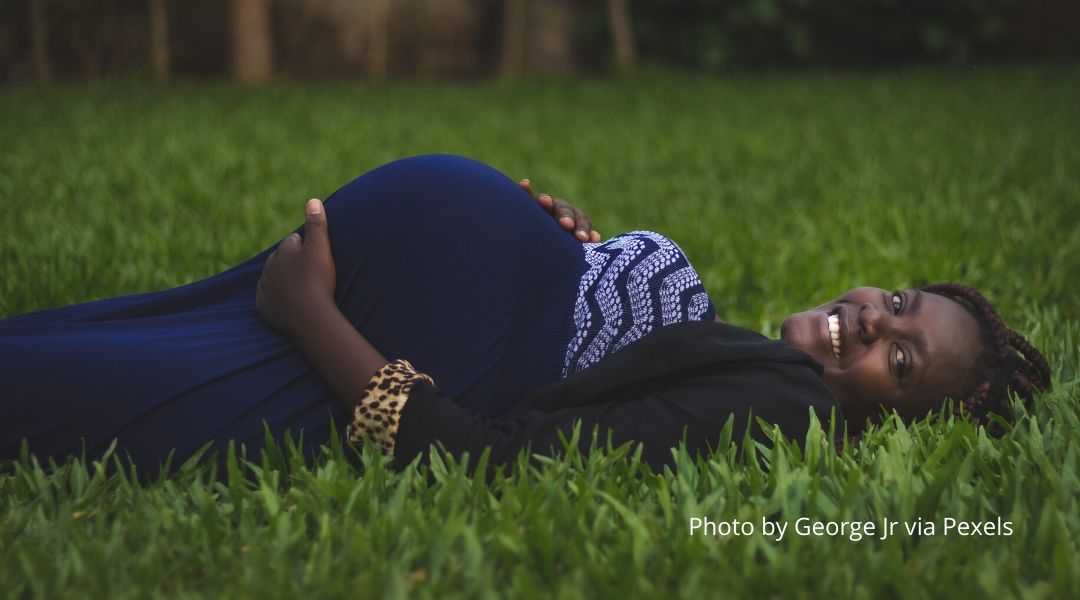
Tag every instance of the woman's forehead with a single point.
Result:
(953, 342)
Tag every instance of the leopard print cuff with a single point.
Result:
(377, 413)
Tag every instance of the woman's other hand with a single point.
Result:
(298, 277)
(568, 216)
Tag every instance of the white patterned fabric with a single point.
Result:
(635, 282)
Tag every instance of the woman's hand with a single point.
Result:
(298, 278)
(296, 296)
(570, 217)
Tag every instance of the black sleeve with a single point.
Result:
(699, 405)
(429, 416)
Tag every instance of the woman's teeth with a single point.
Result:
(834, 333)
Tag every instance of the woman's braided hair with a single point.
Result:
(1007, 363)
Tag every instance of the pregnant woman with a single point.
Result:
(433, 300)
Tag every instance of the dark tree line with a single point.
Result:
(256, 40)
(252, 40)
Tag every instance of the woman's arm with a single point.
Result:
(296, 296)
(339, 353)
(405, 413)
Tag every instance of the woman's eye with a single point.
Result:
(897, 303)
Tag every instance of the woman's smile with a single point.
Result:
(835, 332)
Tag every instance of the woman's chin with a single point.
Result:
(799, 331)
(789, 329)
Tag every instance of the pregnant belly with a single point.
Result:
(447, 263)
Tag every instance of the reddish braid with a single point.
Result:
(1008, 362)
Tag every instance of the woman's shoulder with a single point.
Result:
(738, 359)
(700, 351)
(709, 372)
(693, 343)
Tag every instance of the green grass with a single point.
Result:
(784, 190)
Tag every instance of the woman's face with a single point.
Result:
(904, 350)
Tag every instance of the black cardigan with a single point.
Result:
(693, 376)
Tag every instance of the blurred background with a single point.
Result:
(806, 137)
(260, 40)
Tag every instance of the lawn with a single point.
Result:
(783, 189)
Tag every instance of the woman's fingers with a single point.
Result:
(546, 202)
(564, 213)
(582, 225)
(288, 241)
(287, 245)
(315, 226)
(568, 216)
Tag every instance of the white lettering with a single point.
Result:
(773, 529)
(721, 528)
(695, 524)
(852, 530)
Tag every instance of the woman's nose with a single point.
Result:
(872, 323)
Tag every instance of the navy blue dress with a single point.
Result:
(440, 260)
